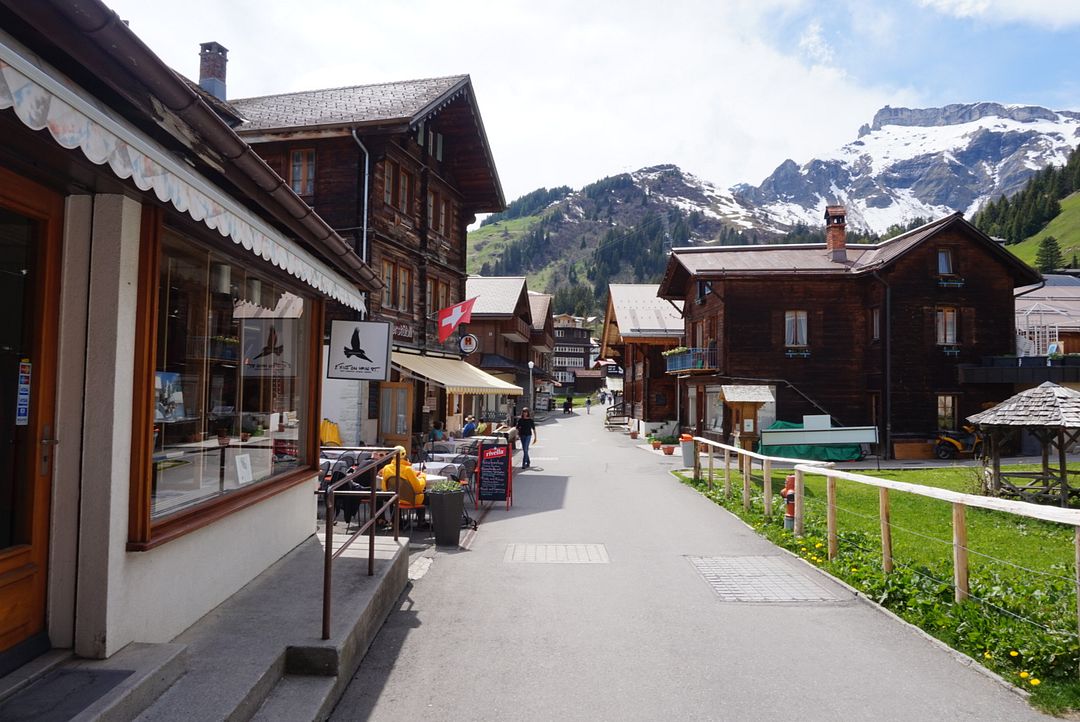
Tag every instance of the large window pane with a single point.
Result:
(231, 378)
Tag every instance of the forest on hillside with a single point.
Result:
(1027, 212)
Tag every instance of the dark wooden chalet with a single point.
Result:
(503, 324)
(401, 169)
(638, 328)
(869, 334)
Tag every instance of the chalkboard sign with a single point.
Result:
(493, 476)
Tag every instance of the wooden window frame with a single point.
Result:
(953, 410)
(875, 323)
(405, 288)
(390, 183)
(941, 314)
(404, 194)
(948, 254)
(390, 289)
(307, 172)
(795, 343)
(144, 532)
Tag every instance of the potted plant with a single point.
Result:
(633, 434)
(667, 444)
(655, 442)
(446, 502)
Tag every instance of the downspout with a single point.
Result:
(887, 396)
(364, 219)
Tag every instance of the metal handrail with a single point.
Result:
(329, 555)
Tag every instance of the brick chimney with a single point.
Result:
(835, 217)
(212, 60)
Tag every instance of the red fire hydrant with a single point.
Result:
(789, 499)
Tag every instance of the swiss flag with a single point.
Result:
(451, 316)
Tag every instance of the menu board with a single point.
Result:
(493, 475)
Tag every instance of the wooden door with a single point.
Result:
(30, 223)
(395, 414)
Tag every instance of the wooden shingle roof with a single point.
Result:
(1045, 406)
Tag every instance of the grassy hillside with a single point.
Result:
(1065, 227)
(486, 243)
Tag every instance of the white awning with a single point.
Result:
(44, 99)
(455, 376)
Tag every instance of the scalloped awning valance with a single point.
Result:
(43, 99)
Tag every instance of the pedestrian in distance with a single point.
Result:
(526, 429)
(588, 405)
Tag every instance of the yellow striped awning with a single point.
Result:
(455, 376)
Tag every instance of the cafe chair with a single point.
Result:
(406, 497)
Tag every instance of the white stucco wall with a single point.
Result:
(150, 596)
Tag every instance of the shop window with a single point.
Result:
(232, 359)
(302, 172)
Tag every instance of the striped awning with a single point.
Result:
(455, 376)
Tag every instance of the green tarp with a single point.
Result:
(816, 452)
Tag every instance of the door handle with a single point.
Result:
(46, 448)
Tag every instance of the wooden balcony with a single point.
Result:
(541, 342)
(516, 330)
(693, 361)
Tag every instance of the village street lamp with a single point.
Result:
(532, 389)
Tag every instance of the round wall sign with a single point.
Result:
(468, 343)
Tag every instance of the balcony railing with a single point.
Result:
(693, 360)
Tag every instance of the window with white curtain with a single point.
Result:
(795, 332)
(946, 326)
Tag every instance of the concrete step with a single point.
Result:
(299, 698)
(118, 688)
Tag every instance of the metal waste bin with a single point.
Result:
(689, 450)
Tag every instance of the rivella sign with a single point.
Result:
(359, 351)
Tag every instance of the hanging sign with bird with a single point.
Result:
(359, 350)
(270, 347)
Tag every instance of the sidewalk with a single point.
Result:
(611, 591)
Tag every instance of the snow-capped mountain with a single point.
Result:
(923, 162)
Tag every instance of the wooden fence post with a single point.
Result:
(746, 465)
(960, 552)
(766, 486)
(727, 474)
(710, 466)
(1077, 572)
(799, 490)
(886, 530)
(830, 515)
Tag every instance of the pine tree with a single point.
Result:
(1048, 257)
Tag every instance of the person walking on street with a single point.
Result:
(588, 405)
(526, 429)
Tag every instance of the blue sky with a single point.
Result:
(573, 91)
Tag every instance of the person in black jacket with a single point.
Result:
(526, 429)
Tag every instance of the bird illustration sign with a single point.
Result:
(269, 346)
(359, 351)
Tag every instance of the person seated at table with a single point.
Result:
(436, 433)
(417, 480)
(470, 427)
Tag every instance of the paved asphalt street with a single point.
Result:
(641, 635)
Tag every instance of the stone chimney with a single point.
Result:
(835, 217)
(212, 60)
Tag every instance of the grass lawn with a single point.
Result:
(487, 243)
(1065, 228)
(1022, 566)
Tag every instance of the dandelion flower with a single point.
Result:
(1024, 675)
(1034, 682)
(818, 545)
(1014, 653)
(854, 569)
(988, 655)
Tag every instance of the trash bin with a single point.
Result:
(689, 450)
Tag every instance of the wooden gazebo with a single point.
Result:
(1052, 414)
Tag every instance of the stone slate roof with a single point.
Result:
(495, 295)
(639, 312)
(358, 104)
(1045, 406)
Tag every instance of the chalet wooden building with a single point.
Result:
(401, 169)
(869, 334)
(503, 324)
(638, 328)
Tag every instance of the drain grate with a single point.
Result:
(557, 553)
(759, 579)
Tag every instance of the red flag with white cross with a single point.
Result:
(451, 316)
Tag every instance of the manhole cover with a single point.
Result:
(556, 553)
(759, 579)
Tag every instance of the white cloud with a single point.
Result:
(814, 46)
(569, 91)
(1055, 14)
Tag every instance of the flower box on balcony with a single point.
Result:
(950, 350)
(797, 353)
(950, 282)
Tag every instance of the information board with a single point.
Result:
(494, 479)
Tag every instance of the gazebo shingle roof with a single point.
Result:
(1046, 406)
